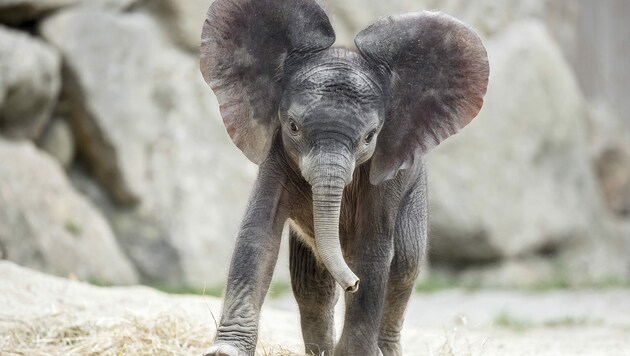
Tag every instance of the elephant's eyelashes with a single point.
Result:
(293, 127)
(370, 136)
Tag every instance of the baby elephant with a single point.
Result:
(340, 137)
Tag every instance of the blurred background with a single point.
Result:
(115, 167)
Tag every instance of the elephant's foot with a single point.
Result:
(221, 350)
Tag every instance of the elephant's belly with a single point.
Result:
(305, 235)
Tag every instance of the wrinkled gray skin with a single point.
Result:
(339, 136)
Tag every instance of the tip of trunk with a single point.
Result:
(346, 279)
(353, 288)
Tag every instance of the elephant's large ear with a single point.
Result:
(245, 45)
(437, 74)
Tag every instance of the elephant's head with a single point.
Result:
(417, 79)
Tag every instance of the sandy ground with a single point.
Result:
(44, 315)
(513, 323)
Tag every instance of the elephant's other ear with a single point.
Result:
(244, 47)
(438, 74)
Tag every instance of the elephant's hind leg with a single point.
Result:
(409, 248)
(316, 294)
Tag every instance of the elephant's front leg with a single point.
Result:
(365, 307)
(251, 269)
(369, 251)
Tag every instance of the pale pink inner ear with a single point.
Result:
(244, 74)
(441, 71)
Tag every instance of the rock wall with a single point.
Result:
(104, 114)
(45, 224)
(124, 109)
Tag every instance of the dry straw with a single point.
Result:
(68, 333)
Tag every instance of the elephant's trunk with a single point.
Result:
(328, 177)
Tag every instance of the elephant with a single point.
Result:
(340, 137)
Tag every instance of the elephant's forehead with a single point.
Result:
(335, 95)
(336, 76)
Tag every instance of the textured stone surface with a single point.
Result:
(111, 4)
(108, 84)
(518, 180)
(613, 168)
(29, 84)
(45, 224)
(610, 145)
(181, 19)
(152, 136)
(18, 11)
(488, 17)
(58, 141)
(598, 50)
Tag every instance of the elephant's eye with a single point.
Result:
(293, 127)
(370, 136)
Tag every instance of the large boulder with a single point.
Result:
(109, 86)
(348, 17)
(117, 5)
(488, 17)
(518, 180)
(58, 141)
(19, 11)
(598, 49)
(613, 168)
(182, 20)
(149, 129)
(29, 84)
(609, 139)
(45, 224)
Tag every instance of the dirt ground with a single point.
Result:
(502, 322)
(44, 315)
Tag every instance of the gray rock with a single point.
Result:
(149, 127)
(610, 145)
(624, 228)
(518, 180)
(488, 17)
(491, 17)
(613, 168)
(351, 16)
(118, 5)
(109, 88)
(29, 84)
(58, 141)
(45, 224)
(598, 50)
(139, 234)
(531, 271)
(592, 36)
(182, 20)
(18, 11)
